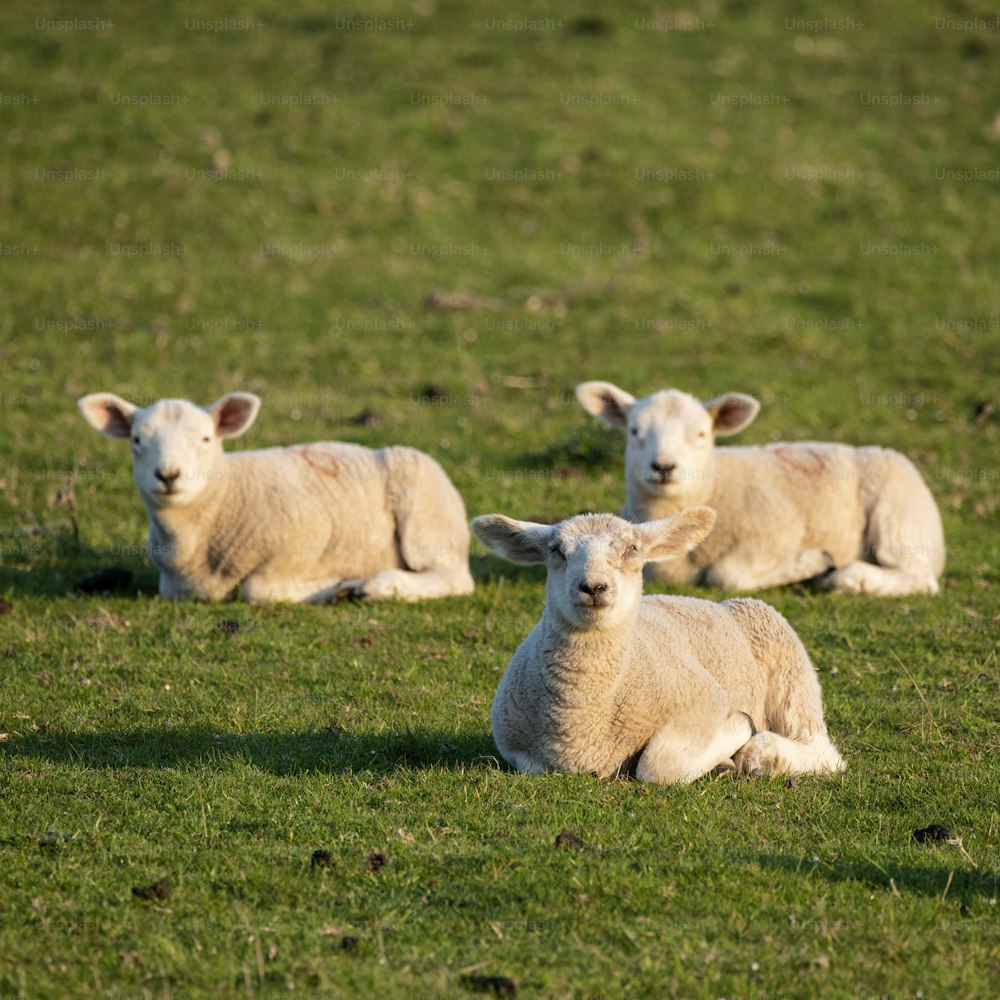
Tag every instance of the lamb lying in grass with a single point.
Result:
(609, 680)
(304, 523)
(859, 520)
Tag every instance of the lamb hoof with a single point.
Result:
(726, 769)
(350, 590)
(824, 580)
(756, 758)
(749, 769)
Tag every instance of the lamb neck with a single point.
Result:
(586, 665)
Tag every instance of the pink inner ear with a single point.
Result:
(108, 417)
(117, 423)
(612, 408)
(731, 414)
(232, 416)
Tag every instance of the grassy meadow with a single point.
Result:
(424, 223)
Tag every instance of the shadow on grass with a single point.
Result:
(85, 572)
(590, 445)
(76, 569)
(278, 752)
(953, 880)
(490, 569)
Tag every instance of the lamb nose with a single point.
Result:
(593, 588)
(664, 470)
(167, 478)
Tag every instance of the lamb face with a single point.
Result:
(669, 446)
(594, 561)
(176, 445)
(670, 437)
(175, 453)
(594, 575)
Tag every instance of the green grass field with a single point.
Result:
(292, 199)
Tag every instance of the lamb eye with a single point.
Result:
(135, 439)
(556, 552)
(631, 551)
(205, 439)
(634, 431)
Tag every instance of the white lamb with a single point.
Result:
(305, 523)
(859, 520)
(610, 681)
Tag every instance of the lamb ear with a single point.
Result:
(674, 536)
(606, 402)
(732, 412)
(108, 413)
(517, 541)
(234, 413)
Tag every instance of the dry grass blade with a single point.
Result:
(916, 687)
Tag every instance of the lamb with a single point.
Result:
(857, 520)
(310, 522)
(665, 687)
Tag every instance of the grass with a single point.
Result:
(754, 204)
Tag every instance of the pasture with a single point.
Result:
(424, 224)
